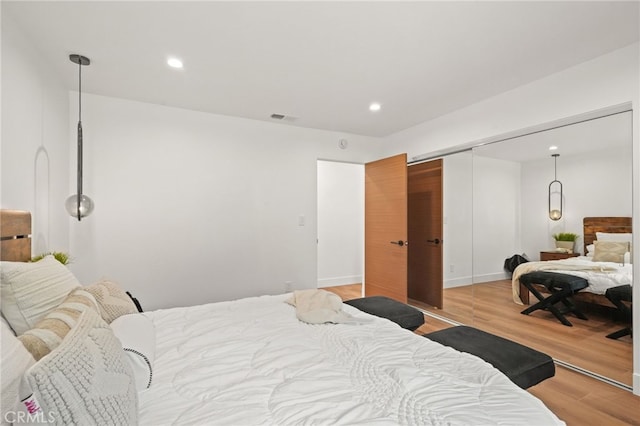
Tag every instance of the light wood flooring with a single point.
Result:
(585, 345)
(575, 398)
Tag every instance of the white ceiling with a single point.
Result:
(321, 63)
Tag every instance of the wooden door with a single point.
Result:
(424, 280)
(385, 228)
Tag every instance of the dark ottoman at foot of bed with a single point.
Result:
(561, 286)
(404, 315)
(524, 366)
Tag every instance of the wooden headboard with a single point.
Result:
(15, 235)
(614, 225)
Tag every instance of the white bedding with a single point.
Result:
(251, 362)
(600, 275)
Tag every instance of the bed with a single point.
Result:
(600, 275)
(251, 361)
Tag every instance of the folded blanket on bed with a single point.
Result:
(550, 265)
(320, 307)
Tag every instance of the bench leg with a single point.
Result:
(620, 333)
(556, 312)
(548, 304)
(571, 307)
(536, 306)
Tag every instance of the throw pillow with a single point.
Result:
(137, 335)
(15, 361)
(49, 332)
(84, 381)
(112, 300)
(610, 251)
(29, 291)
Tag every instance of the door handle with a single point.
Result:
(400, 243)
(436, 241)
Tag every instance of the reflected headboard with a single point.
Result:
(15, 235)
(614, 225)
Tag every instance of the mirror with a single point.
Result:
(458, 233)
(511, 216)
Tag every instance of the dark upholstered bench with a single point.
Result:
(618, 295)
(403, 315)
(561, 287)
(524, 366)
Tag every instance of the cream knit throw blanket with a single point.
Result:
(321, 306)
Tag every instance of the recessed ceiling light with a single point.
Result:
(174, 63)
(374, 107)
(553, 148)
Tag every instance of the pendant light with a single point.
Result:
(79, 205)
(555, 212)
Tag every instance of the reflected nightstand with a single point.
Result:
(555, 255)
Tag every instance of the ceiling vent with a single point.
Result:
(283, 117)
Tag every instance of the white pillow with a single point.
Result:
(137, 334)
(84, 381)
(622, 237)
(15, 361)
(590, 249)
(29, 291)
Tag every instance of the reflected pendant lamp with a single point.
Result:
(79, 205)
(555, 188)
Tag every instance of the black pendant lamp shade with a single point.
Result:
(79, 205)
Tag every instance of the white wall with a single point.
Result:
(340, 223)
(35, 140)
(194, 207)
(457, 236)
(496, 216)
(190, 207)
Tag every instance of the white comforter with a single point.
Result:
(251, 362)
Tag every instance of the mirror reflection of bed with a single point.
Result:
(508, 189)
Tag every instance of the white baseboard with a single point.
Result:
(477, 279)
(335, 281)
(458, 282)
(636, 384)
(491, 277)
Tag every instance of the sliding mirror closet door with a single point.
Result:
(512, 198)
(451, 237)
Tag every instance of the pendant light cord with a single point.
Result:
(79, 142)
(80, 91)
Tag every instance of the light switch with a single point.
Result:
(301, 220)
